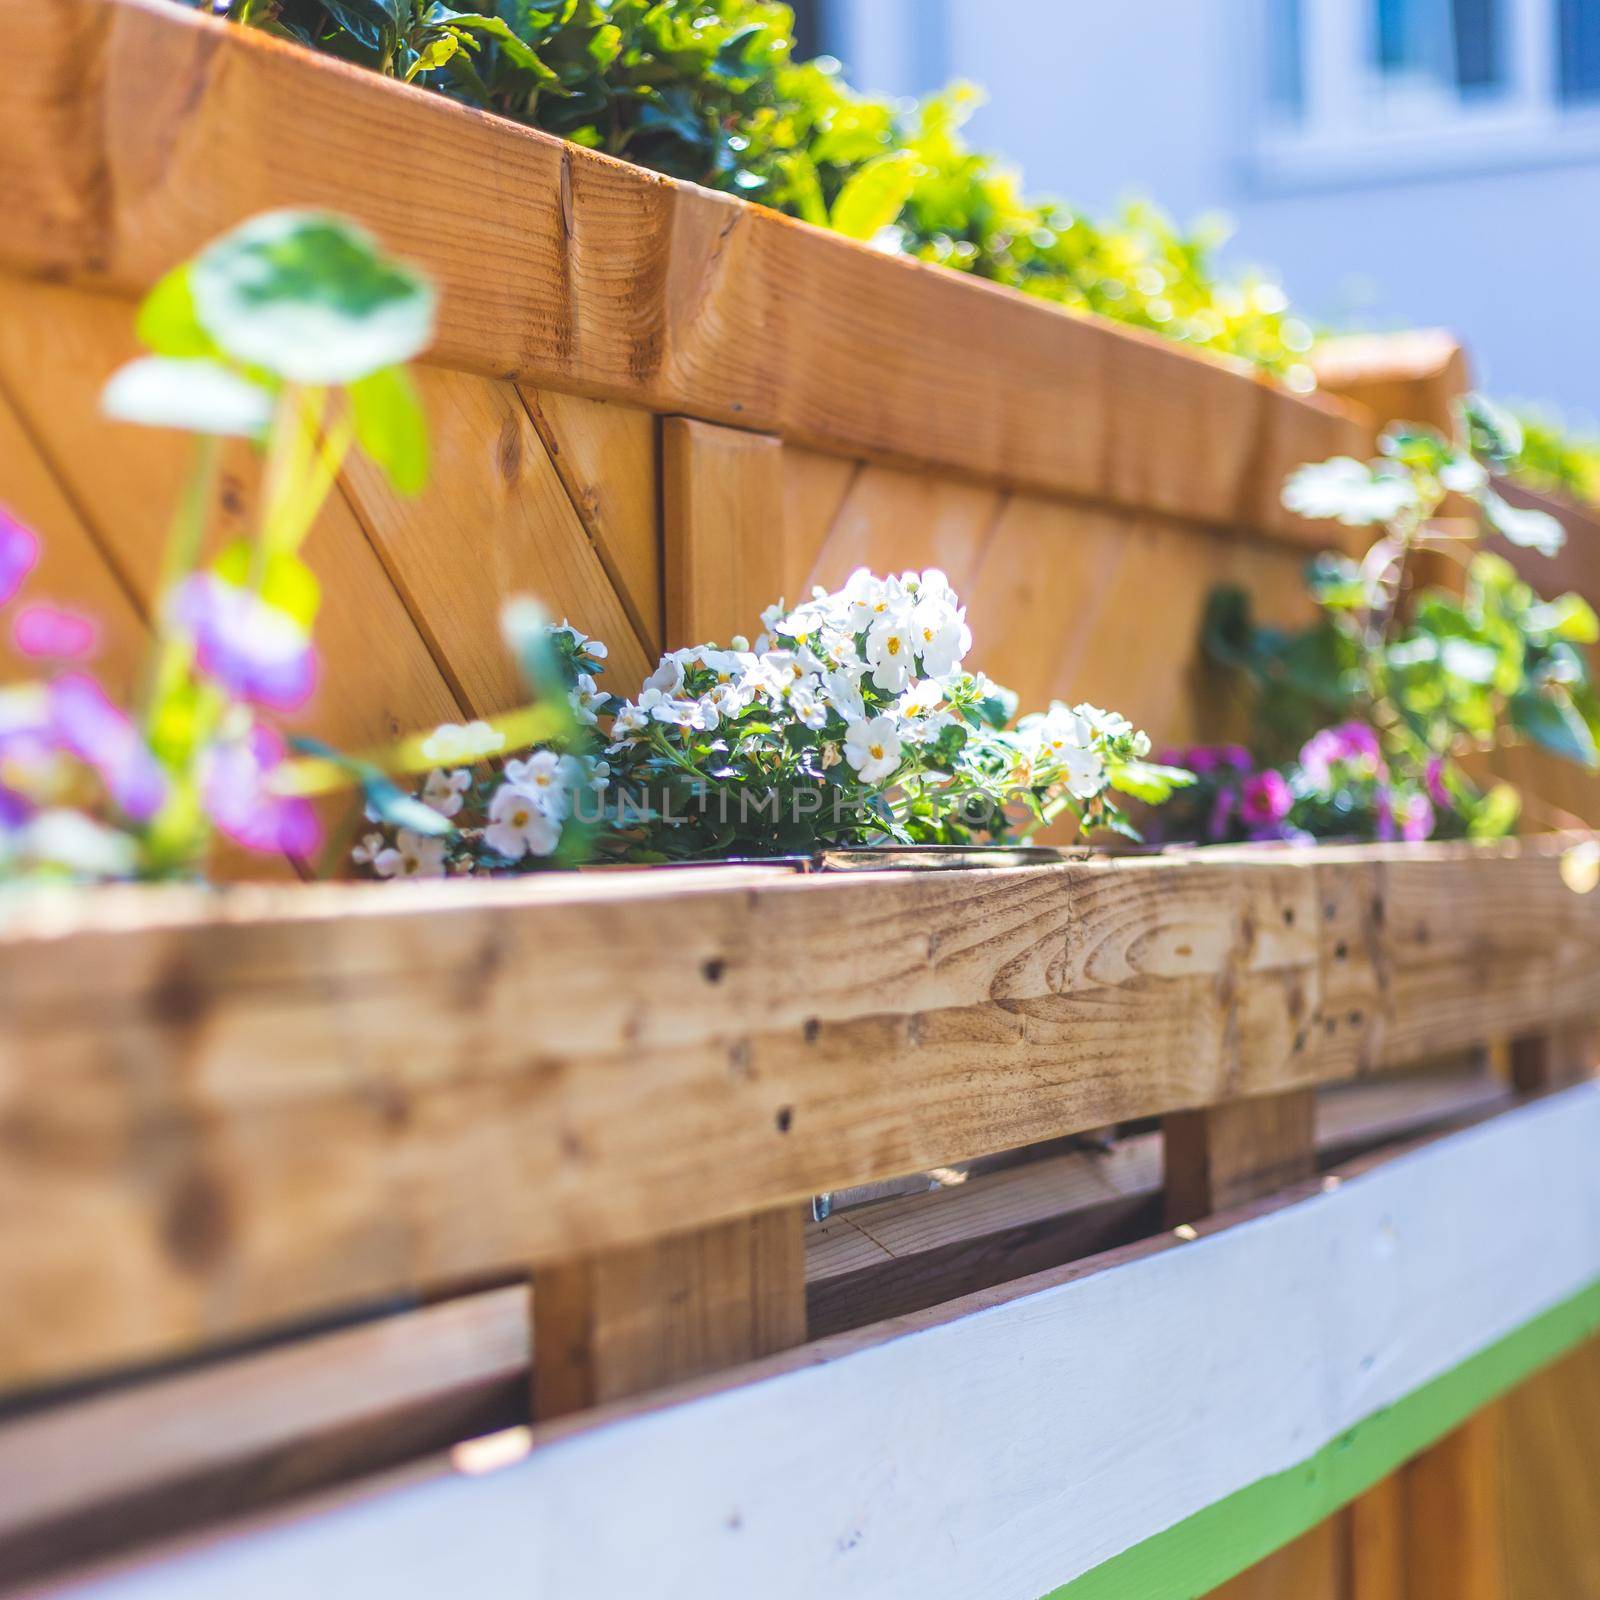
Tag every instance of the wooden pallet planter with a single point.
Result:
(236, 1114)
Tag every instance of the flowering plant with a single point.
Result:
(290, 331)
(852, 720)
(1433, 674)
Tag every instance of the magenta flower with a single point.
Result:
(255, 651)
(1266, 800)
(48, 633)
(1221, 818)
(102, 735)
(1235, 755)
(1351, 744)
(19, 554)
(240, 802)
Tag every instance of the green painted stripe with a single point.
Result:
(1193, 1557)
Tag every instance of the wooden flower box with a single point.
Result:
(333, 1132)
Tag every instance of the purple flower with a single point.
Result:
(255, 651)
(239, 801)
(1221, 815)
(85, 722)
(1351, 744)
(46, 632)
(19, 553)
(1434, 778)
(1235, 755)
(1266, 800)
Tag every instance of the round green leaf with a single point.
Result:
(199, 396)
(391, 428)
(311, 298)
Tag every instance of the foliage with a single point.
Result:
(1417, 680)
(709, 90)
(852, 721)
(276, 332)
(1555, 459)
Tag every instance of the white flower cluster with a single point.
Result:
(907, 637)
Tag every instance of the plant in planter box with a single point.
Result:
(851, 721)
(1365, 718)
(291, 331)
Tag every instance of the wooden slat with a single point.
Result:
(722, 527)
(266, 1105)
(608, 457)
(1314, 1567)
(1010, 1442)
(1413, 376)
(496, 523)
(1375, 1530)
(565, 269)
(623, 1322)
(1222, 1156)
(1555, 1058)
(87, 1476)
(1454, 1499)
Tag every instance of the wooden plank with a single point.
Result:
(1020, 1439)
(1554, 1059)
(88, 1476)
(1314, 1567)
(623, 1322)
(608, 458)
(276, 1104)
(1455, 1538)
(1416, 375)
(722, 526)
(1221, 1156)
(1553, 1480)
(1375, 1528)
(565, 269)
(378, 678)
(496, 523)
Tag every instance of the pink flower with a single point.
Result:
(1434, 778)
(102, 735)
(1266, 800)
(1351, 744)
(239, 801)
(255, 651)
(1221, 818)
(1416, 818)
(19, 554)
(46, 632)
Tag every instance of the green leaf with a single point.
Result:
(374, 24)
(385, 799)
(436, 53)
(875, 196)
(310, 298)
(391, 427)
(1555, 725)
(514, 48)
(167, 323)
(286, 581)
(195, 394)
(1568, 617)
(1496, 814)
(1148, 780)
(1531, 530)
(1494, 433)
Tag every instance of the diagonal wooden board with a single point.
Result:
(1150, 1428)
(272, 1105)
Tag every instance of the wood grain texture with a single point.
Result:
(1413, 376)
(1552, 1481)
(1375, 1531)
(1554, 1059)
(722, 530)
(565, 269)
(277, 1104)
(1455, 1535)
(1008, 1443)
(1221, 1156)
(1315, 1567)
(624, 1322)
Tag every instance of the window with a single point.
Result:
(1353, 86)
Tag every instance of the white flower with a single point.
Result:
(698, 714)
(1350, 491)
(807, 704)
(444, 791)
(668, 676)
(413, 855)
(1463, 476)
(545, 778)
(367, 849)
(844, 690)
(941, 636)
(891, 651)
(1083, 772)
(730, 697)
(585, 699)
(519, 825)
(871, 600)
(1108, 724)
(451, 745)
(630, 721)
(589, 647)
(873, 748)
